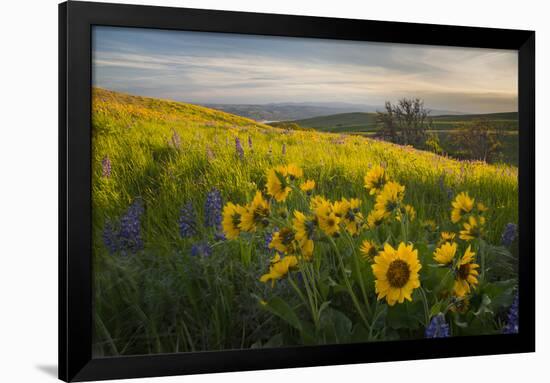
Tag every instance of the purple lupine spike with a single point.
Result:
(110, 237)
(509, 234)
(106, 167)
(268, 238)
(129, 236)
(239, 148)
(203, 249)
(213, 209)
(187, 221)
(437, 328)
(284, 149)
(250, 142)
(512, 325)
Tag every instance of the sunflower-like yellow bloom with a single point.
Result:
(445, 254)
(277, 185)
(396, 273)
(327, 219)
(279, 268)
(231, 222)
(348, 212)
(447, 236)
(375, 179)
(318, 201)
(256, 213)
(472, 229)
(462, 204)
(429, 225)
(294, 172)
(481, 207)
(305, 229)
(407, 210)
(308, 186)
(375, 218)
(368, 249)
(466, 275)
(389, 199)
(283, 241)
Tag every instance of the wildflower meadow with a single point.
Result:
(213, 231)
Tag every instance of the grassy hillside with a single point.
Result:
(155, 162)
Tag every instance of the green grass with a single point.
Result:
(164, 300)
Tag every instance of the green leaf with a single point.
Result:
(336, 326)
(405, 315)
(280, 308)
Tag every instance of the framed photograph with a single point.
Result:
(251, 191)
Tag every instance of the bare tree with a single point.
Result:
(478, 140)
(405, 122)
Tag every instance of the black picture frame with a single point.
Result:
(75, 271)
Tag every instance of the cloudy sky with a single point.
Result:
(243, 69)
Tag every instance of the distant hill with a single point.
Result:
(301, 110)
(366, 122)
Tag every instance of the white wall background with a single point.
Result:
(28, 188)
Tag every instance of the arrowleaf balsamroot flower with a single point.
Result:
(447, 236)
(255, 214)
(375, 218)
(279, 268)
(368, 249)
(277, 184)
(462, 204)
(375, 180)
(445, 254)
(390, 198)
(466, 274)
(308, 186)
(305, 230)
(283, 241)
(231, 221)
(472, 229)
(327, 219)
(396, 273)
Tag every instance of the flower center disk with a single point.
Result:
(398, 273)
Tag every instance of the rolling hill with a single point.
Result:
(366, 122)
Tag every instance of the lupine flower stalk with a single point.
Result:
(187, 221)
(129, 236)
(202, 249)
(239, 148)
(213, 209)
(512, 325)
(437, 328)
(509, 234)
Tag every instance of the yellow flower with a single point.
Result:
(304, 226)
(326, 218)
(279, 268)
(472, 229)
(447, 236)
(407, 210)
(283, 241)
(389, 198)
(294, 171)
(348, 212)
(277, 185)
(231, 222)
(481, 207)
(396, 273)
(429, 225)
(462, 204)
(306, 248)
(368, 249)
(375, 180)
(466, 275)
(445, 254)
(375, 218)
(307, 186)
(255, 214)
(318, 201)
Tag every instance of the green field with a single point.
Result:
(160, 289)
